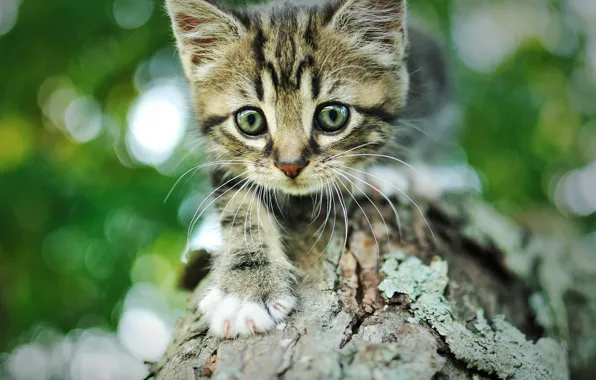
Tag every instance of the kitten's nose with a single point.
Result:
(292, 169)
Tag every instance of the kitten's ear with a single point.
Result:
(202, 29)
(377, 26)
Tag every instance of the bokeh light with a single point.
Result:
(131, 14)
(9, 10)
(157, 123)
(575, 192)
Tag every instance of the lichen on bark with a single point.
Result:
(499, 349)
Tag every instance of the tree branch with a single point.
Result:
(481, 299)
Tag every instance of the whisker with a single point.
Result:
(280, 211)
(196, 218)
(315, 214)
(236, 214)
(365, 216)
(381, 156)
(349, 150)
(405, 195)
(259, 205)
(271, 211)
(398, 219)
(404, 122)
(342, 203)
(196, 168)
(339, 171)
(322, 229)
(249, 213)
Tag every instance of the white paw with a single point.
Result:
(229, 316)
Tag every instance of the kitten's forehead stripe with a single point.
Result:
(258, 46)
(309, 33)
(315, 86)
(274, 76)
(308, 62)
(259, 88)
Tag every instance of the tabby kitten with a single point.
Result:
(294, 98)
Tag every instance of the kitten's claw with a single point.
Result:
(229, 317)
(282, 306)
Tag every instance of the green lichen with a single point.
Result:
(499, 348)
(537, 260)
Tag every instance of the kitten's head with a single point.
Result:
(292, 94)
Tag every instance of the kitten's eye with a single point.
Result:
(332, 117)
(251, 121)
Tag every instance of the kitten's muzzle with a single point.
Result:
(292, 169)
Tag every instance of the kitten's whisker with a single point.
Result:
(342, 203)
(259, 203)
(347, 151)
(397, 218)
(365, 216)
(195, 169)
(329, 195)
(408, 124)
(381, 156)
(271, 211)
(249, 212)
(328, 210)
(320, 231)
(246, 182)
(341, 173)
(315, 215)
(404, 194)
(236, 214)
(280, 211)
(196, 218)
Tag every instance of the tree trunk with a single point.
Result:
(476, 298)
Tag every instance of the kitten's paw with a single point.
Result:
(229, 316)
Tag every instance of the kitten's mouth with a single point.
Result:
(300, 186)
(304, 183)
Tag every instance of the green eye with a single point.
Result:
(251, 121)
(332, 117)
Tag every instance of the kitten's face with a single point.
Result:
(288, 95)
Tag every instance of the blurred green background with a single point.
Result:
(95, 129)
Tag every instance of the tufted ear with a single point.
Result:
(202, 29)
(377, 27)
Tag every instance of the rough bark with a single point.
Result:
(479, 299)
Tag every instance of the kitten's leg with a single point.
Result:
(254, 281)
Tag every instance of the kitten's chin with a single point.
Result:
(296, 187)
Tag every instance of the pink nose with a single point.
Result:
(291, 170)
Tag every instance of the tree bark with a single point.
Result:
(470, 295)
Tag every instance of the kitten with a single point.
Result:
(295, 99)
